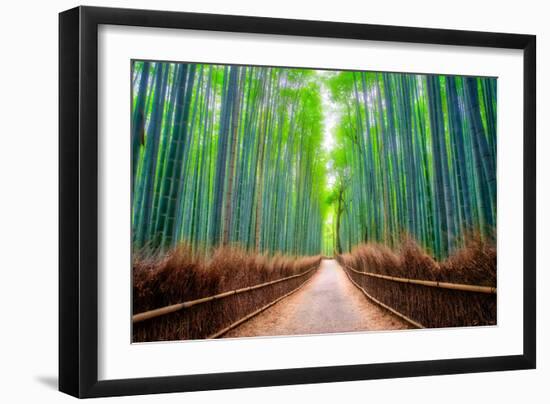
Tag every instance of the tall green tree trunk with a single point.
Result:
(138, 119)
(146, 193)
(221, 162)
(487, 173)
(233, 152)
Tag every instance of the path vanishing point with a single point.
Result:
(327, 303)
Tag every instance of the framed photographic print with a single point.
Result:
(251, 201)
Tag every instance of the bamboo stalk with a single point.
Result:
(385, 306)
(147, 315)
(434, 284)
(254, 313)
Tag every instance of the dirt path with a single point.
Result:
(329, 302)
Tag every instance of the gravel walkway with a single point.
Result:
(328, 303)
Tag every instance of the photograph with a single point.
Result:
(275, 201)
(268, 202)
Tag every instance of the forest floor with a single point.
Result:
(328, 303)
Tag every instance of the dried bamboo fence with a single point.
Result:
(428, 304)
(213, 316)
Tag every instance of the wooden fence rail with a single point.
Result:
(415, 324)
(136, 318)
(434, 284)
(255, 313)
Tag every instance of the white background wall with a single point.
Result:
(28, 198)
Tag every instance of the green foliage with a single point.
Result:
(225, 155)
(421, 156)
(237, 159)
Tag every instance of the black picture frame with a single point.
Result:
(78, 201)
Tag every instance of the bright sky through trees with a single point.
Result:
(330, 115)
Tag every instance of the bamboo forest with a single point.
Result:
(243, 175)
(241, 155)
